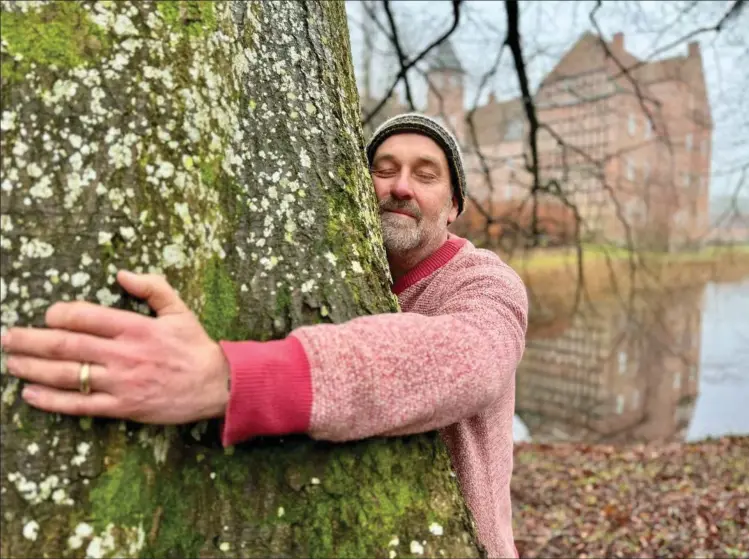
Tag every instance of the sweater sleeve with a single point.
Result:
(403, 373)
(270, 391)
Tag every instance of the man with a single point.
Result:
(446, 362)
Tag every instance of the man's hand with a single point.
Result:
(163, 370)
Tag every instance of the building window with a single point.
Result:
(631, 125)
(648, 128)
(687, 179)
(508, 191)
(677, 381)
(688, 142)
(619, 404)
(630, 170)
(622, 362)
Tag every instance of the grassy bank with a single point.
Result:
(675, 500)
(553, 275)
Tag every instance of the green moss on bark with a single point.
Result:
(58, 33)
(220, 309)
(193, 17)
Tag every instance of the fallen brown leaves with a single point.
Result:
(674, 500)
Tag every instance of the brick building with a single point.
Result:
(631, 150)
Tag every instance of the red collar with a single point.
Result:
(431, 264)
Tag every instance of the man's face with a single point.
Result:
(412, 182)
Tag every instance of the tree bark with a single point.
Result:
(217, 143)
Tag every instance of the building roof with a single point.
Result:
(588, 53)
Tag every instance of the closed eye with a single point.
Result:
(384, 173)
(426, 177)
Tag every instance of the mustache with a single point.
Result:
(391, 204)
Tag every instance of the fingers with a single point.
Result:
(96, 404)
(63, 375)
(58, 345)
(94, 319)
(157, 292)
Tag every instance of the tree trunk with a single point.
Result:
(218, 144)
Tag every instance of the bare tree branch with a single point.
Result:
(732, 13)
(406, 66)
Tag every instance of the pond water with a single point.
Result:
(722, 405)
(668, 367)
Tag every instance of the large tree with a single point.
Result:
(218, 144)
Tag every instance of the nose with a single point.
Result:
(402, 188)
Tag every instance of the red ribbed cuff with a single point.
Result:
(271, 389)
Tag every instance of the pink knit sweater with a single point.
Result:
(446, 362)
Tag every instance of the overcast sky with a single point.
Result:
(550, 28)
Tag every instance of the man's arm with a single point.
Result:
(391, 374)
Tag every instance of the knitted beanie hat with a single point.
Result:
(421, 124)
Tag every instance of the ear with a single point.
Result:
(453, 215)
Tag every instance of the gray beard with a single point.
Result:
(399, 237)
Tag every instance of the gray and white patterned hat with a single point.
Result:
(421, 124)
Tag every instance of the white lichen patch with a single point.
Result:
(8, 121)
(129, 541)
(225, 546)
(32, 449)
(79, 279)
(174, 256)
(35, 248)
(33, 492)
(416, 548)
(82, 531)
(315, 481)
(101, 545)
(281, 512)
(31, 530)
(10, 391)
(60, 497)
(395, 542)
(106, 297)
(436, 529)
(158, 439)
(82, 451)
(160, 447)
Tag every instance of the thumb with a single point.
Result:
(155, 290)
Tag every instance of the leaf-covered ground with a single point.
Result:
(674, 500)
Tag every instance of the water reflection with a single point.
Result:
(619, 371)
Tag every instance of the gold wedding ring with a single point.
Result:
(85, 378)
